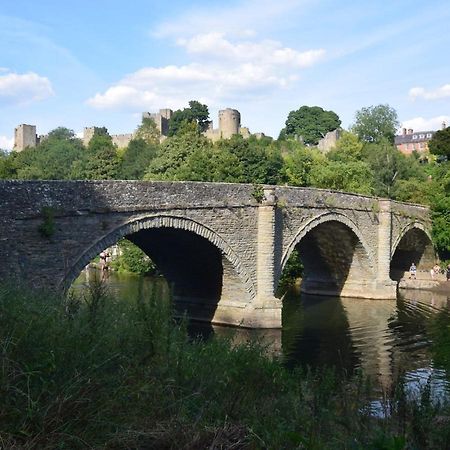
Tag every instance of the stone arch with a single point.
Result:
(413, 244)
(314, 222)
(336, 257)
(161, 221)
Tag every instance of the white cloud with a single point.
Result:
(24, 88)
(6, 143)
(214, 45)
(221, 71)
(422, 124)
(438, 93)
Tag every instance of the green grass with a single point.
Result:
(97, 372)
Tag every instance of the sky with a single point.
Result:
(103, 62)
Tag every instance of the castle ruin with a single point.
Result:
(229, 125)
(161, 119)
(25, 136)
(121, 140)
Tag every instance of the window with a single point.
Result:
(421, 136)
(414, 136)
(429, 135)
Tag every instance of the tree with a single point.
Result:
(196, 113)
(174, 153)
(7, 169)
(440, 143)
(348, 148)
(147, 131)
(389, 167)
(310, 123)
(100, 160)
(52, 159)
(375, 123)
(136, 158)
(354, 176)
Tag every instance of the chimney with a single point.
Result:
(444, 125)
(410, 131)
(404, 131)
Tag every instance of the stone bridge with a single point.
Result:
(222, 246)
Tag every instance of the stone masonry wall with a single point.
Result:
(89, 214)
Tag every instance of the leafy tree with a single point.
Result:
(348, 148)
(298, 165)
(375, 123)
(7, 169)
(440, 143)
(174, 152)
(259, 164)
(52, 159)
(100, 160)
(389, 166)
(132, 259)
(136, 158)
(311, 123)
(200, 114)
(196, 113)
(354, 176)
(148, 131)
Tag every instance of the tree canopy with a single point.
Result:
(310, 124)
(440, 143)
(196, 113)
(376, 123)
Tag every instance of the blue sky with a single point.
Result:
(83, 63)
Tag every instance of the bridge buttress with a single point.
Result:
(385, 287)
(265, 309)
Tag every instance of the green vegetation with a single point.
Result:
(310, 124)
(364, 161)
(376, 123)
(47, 227)
(132, 260)
(440, 143)
(93, 372)
(196, 114)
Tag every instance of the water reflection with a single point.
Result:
(380, 338)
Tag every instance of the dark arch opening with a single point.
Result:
(415, 246)
(333, 260)
(197, 271)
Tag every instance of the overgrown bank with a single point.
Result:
(97, 372)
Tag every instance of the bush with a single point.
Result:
(94, 372)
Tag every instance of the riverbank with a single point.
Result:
(443, 287)
(94, 372)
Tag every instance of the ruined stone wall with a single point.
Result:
(25, 136)
(122, 140)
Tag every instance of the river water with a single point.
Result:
(380, 338)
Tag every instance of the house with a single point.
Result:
(410, 141)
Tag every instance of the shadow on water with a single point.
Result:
(380, 338)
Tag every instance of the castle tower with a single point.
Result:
(229, 122)
(88, 134)
(161, 119)
(24, 136)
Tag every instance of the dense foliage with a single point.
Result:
(440, 143)
(132, 259)
(310, 124)
(94, 372)
(376, 123)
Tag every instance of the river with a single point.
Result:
(380, 338)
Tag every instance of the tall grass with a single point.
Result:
(97, 372)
